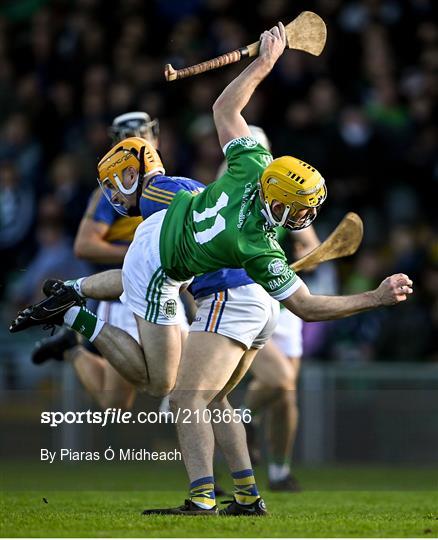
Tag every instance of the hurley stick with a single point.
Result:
(305, 33)
(343, 241)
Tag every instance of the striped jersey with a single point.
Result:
(160, 191)
(121, 229)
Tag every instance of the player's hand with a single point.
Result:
(272, 43)
(394, 289)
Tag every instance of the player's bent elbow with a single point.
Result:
(297, 308)
(304, 313)
(217, 106)
(223, 110)
(309, 317)
(80, 250)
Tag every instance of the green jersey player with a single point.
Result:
(229, 224)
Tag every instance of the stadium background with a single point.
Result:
(364, 113)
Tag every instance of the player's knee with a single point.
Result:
(185, 399)
(284, 380)
(219, 402)
(287, 396)
(177, 400)
(288, 385)
(160, 389)
(289, 377)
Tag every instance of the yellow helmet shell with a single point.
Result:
(127, 153)
(297, 185)
(291, 180)
(133, 152)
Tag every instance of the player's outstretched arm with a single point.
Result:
(227, 109)
(309, 307)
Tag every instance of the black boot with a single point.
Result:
(54, 347)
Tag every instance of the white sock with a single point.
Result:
(70, 315)
(278, 472)
(77, 285)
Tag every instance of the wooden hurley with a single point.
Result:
(305, 33)
(343, 241)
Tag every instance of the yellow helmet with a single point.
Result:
(298, 186)
(132, 152)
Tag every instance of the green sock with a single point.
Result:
(84, 321)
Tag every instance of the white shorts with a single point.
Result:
(288, 335)
(120, 316)
(246, 314)
(147, 291)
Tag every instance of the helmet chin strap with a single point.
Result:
(274, 222)
(135, 210)
(284, 221)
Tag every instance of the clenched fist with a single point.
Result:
(394, 289)
(273, 43)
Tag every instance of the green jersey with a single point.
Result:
(225, 226)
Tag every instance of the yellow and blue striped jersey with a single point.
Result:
(121, 229)
(160, 191)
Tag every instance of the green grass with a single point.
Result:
(337, 502)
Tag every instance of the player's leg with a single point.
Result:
(150, 366)
(228, 428)
(153, 298)
(271, 382)
(106, 285)
(282, 417)
(162, 352)
(121, 349)
(148, 293)
(278, 365)
(241, 316)
(124, 353)
(97, 376)
(104, 384)
(231, 436)
(272, 374)
(281, 438)
(115, 390)
(207, 364)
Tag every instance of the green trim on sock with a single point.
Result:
(85, 322)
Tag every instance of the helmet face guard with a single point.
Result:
(134, 124)
(305, 220)
(293, 217)
(117, 196)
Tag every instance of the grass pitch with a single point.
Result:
(337, 502)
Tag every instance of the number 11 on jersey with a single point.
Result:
(219, 224)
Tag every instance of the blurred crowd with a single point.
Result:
(364, 113)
